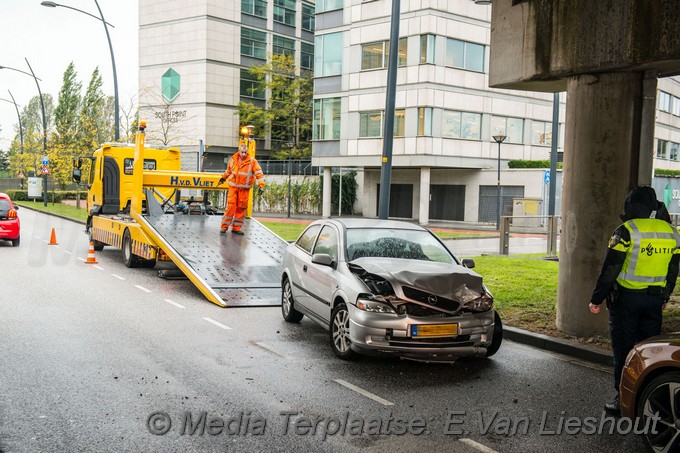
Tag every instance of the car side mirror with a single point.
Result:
(76, 175)
(324, 259)
(16, 207)
(469, 263)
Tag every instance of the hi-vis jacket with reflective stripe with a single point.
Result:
(242, 173)
(653, 242)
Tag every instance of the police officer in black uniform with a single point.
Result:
(637, 276)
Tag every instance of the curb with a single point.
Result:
(558, 345)
(51, 213)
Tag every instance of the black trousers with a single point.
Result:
(633, 317)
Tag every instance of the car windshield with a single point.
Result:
(394, 243)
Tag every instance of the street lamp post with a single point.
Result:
(21, 132)
(116, 118)
(44, 119)
(499, 139)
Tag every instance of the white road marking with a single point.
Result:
(270, 349)
(218, 324)
(118, 277)
(143, 289)
(66, 251)
(174, 303)
(37, 237)
(98, 267)
(46, 241)
(363, 392)
(477, 445)
(81, 259)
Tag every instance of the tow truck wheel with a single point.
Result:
(98, 246)
(129, 258)
(290, 314)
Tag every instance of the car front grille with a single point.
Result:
(431, 300)
(460, 340)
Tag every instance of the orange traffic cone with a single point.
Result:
(53, 238)
(90, 255)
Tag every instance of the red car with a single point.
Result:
(10, 227)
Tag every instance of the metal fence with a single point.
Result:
(281, 167)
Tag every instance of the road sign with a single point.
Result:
(45, 170)
(45, 160)
(546, 176)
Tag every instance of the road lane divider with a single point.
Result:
(270, 349)
(81, 259)
(477, 445)
(118, 277)
(218, 324)
(98, 267)
(171, 302)
(143, 289)
(363, 392)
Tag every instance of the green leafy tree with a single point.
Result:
(287, 114)
(66, 114)
(93, 122)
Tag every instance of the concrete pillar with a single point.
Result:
(602, 145)
(326, 194)
(424, 204)
(647, 124)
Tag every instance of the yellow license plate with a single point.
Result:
(434, 330)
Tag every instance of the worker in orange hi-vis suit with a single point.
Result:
(241, 173)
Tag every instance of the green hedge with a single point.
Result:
(662, 172)
(531, 164)
(55, 196)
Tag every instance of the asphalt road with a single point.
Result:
(106, 358)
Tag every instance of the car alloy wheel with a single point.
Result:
(662, 397)
(339, 332)
(290, 314)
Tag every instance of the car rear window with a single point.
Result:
(4, 205)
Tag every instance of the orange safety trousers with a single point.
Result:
(237, 205)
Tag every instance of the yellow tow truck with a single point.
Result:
(132, 198)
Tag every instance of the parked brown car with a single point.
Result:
(650, 384)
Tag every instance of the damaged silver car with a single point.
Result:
(390, 288)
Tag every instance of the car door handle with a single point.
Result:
(304, 268)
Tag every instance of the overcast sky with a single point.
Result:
(50, 38)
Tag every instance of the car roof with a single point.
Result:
(359, 222)
(4, 195)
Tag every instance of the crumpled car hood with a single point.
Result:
(445, 280)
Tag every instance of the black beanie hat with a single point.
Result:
(640, 203)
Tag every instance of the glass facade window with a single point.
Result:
(664, 101)
(306, 55)
(661, 149)
(328, 5)
(376, 55)
(370, 124)
(465, 125)
(425, 121)
(328, 55)
(283, 46)
(427, 49)
(675, 106)
(284, 12)
(250, 86)
(308, 21)
(464, 55)
(254, 7)
(674, 151)
(541, 133)
(326, 122)
(513, 128)
(253, 43)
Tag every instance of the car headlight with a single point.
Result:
(481, 303)
(373, 306)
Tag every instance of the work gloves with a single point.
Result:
(260, 191)
(221, 181)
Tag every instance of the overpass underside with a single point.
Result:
(607, 56)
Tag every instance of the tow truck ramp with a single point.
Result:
(230, 270)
